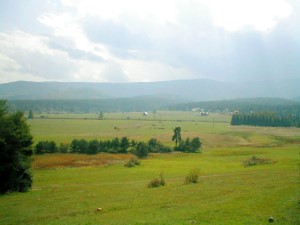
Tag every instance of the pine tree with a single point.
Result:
(30, 114)
(15, 151)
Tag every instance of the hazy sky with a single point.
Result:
(149, 40)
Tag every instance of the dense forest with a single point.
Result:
(135, 104)
(265, 119)
(282, 107)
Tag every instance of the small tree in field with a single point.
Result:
(30, 114)
(15, 151)
(195, 144)
(101, 116)
(177, 135)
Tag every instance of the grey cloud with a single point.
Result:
(194, 43)
(43, 65)
(244, 55)
(119, 39)
(113, 73)
(24, 14)
(68, 46)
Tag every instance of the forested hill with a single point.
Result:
(279, 106)
(136, 104)
(191, 90)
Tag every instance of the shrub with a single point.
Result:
(188, 145)
(141, 150)
(132, 163)
(93, 146)
(157, 182)
(45, 147)
(154, 146)
(253, 161)
(79, 146)
(64, 147)
(154, 183)
(192, 176)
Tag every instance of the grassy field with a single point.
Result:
(68, 188)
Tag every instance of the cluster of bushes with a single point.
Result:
(116, 145)
(189, 145)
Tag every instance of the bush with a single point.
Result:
(157, 182)
(93, 146)
(132, 163)
(45, 147)
(253, 161)
(64, 147)
(141, 150)
(154, 146)
(192, 176)
(188, 145)
(79, 146)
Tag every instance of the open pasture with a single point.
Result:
(68, 188)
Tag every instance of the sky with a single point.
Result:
(149, 40)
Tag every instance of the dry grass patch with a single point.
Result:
(53, 161)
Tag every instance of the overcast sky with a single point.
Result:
(149, 40)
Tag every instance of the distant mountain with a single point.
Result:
(191, 90)
(133, 104)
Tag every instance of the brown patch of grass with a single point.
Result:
(53, 161)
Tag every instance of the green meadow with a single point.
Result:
(68, 188)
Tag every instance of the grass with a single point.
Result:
(68, 189)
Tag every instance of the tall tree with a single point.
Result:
(101, 116)
(124, 145)
(177, 135)
(15, 151)
(30, 114)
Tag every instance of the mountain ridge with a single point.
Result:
(190, 90)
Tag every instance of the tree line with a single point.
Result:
(282, 107)
(265, 119)
(91, 105)
(116, 145)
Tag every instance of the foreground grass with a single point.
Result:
(227, 192)
(68, 188)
